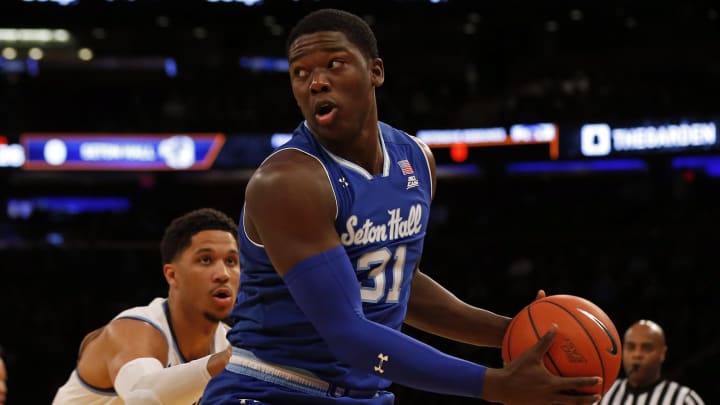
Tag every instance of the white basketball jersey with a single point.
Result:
(77, 392)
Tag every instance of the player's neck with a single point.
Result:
(365, 151)
(194, 334)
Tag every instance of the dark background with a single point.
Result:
(639, 244)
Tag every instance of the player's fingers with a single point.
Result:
(576, 384)
(542, 346)
(540, 294)
(571, 389)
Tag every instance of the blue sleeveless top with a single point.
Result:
(381, 221)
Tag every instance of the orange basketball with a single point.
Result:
(587, 343)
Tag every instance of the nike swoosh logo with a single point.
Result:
(614, 349)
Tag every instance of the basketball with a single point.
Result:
(587, 343)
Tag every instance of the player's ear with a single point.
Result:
(170, 273)
(663, 352)
(377, 72)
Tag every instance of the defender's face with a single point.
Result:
(333, 83)
(207, 274)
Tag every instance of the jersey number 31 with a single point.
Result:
(380, 261)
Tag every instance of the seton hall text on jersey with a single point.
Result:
(396, 228)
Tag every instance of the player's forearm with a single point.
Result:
(144, 381)
(326, 290)
(473, 326)
(434, 309)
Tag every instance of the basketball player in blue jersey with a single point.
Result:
(165, 352)
(331, 236)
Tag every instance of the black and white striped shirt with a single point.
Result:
(664, 392)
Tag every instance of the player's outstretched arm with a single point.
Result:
(525, 381)
(144, 381)
(134, 355)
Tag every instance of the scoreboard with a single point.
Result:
(538, 147)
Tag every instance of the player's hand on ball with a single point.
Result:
(539, 386)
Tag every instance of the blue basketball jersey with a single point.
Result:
(381, 221)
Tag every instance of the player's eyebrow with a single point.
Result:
(328, 49)
(210, 250)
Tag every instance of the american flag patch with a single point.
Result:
(406, 167)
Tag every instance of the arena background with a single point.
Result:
(633, 229)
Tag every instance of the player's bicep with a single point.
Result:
(290, 204)
(129, 339)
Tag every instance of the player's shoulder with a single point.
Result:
(286, 169)
(285, 180)
(150, 320)
(152, 310)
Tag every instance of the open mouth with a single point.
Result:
(324, 109)
(325, 112)
(222, 293)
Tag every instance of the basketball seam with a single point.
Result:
(592, 340)
(537, 335)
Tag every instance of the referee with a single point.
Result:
(644, 351)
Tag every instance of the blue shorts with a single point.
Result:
(229, 388)
(248, 380)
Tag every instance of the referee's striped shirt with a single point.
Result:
(664, 392)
